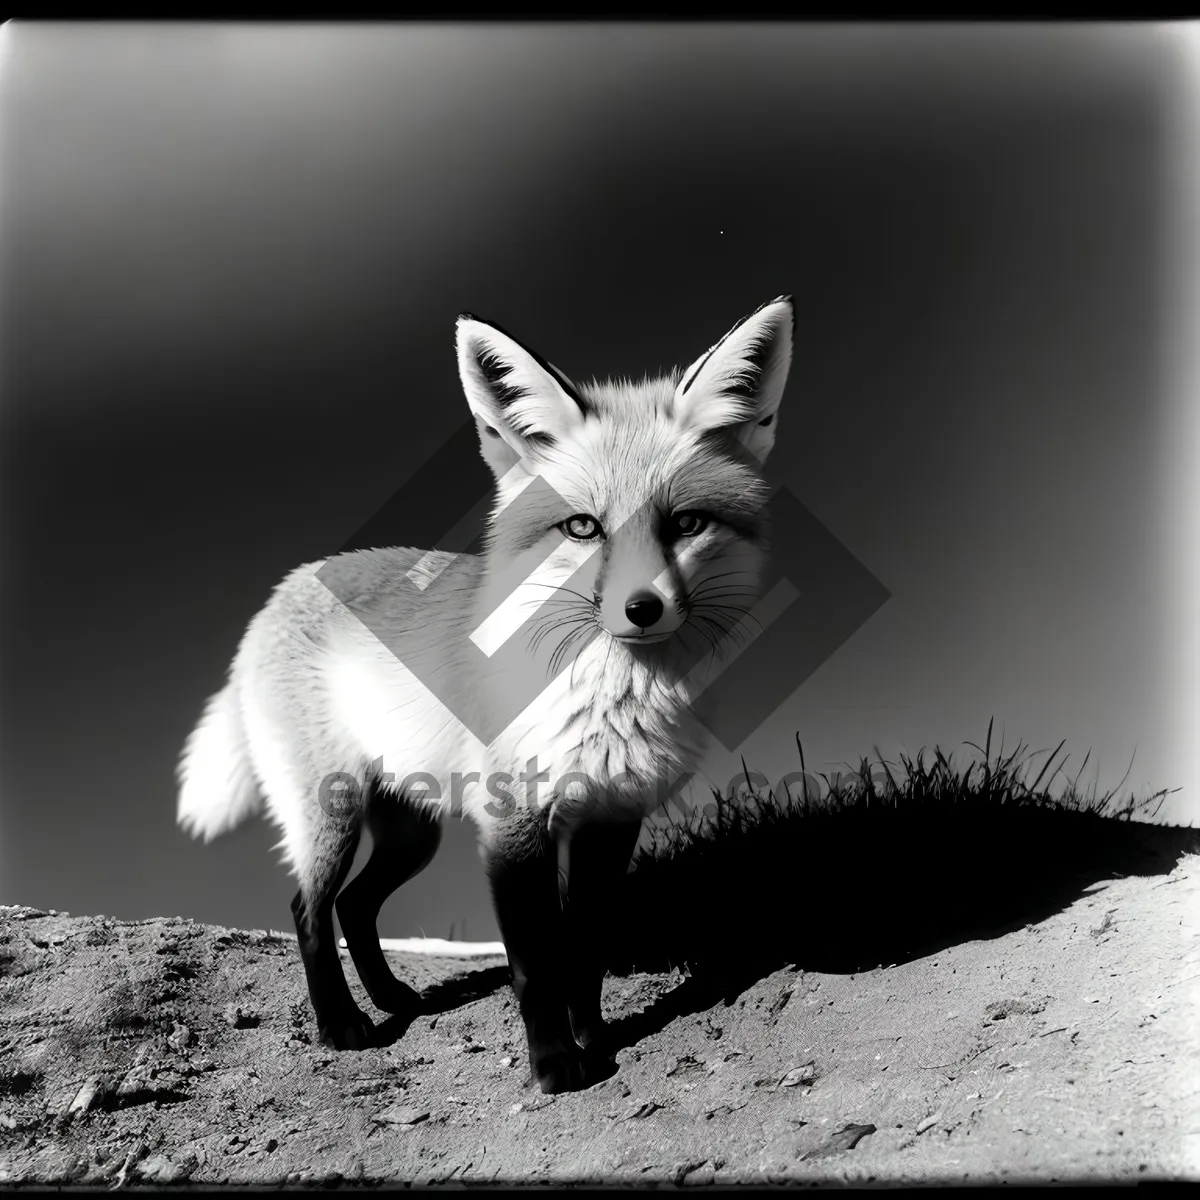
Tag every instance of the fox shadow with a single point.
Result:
(842, 892)
(444, 996)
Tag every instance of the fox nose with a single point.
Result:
(644, 609)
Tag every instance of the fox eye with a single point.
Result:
(688, 524)
(581, 527)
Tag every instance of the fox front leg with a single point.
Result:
(522, 868)
(595, 864)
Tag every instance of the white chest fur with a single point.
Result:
(607, 732)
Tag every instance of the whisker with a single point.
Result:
(707, 579)
(713, 646)
(589, 638)
(562, 623)
(550, 626)
(559, 587)
(709, 585)
(723, 607)
(723, 625)
(725, 594)
(564, 646)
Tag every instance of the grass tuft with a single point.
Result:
(928, 783)
(886, 862)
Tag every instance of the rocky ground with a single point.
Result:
(167, 1052)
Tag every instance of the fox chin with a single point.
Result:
(546, 688)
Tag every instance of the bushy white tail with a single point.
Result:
(217, 789)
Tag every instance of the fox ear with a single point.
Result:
(522, 404)
(738, 383)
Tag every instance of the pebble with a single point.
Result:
(238, 1017)
(86, 1096)
(401, 1114)
(158, 1168)
(797, 1075)
(180, 1038)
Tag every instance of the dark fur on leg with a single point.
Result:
(599, 857)
(341, 1024)
(405, 839)
(522, 869)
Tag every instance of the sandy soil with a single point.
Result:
(167, 1052)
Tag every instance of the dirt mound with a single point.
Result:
(169, 1052)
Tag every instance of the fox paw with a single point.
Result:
(353, 1031)
(573, 1070)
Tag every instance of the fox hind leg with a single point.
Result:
(341, 1024)
(405, 838)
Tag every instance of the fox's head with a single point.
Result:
(633, 513)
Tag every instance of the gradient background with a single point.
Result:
(233, 255)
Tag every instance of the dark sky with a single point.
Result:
(233, 256)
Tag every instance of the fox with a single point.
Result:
(544, 688)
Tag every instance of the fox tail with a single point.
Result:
(217, 788)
